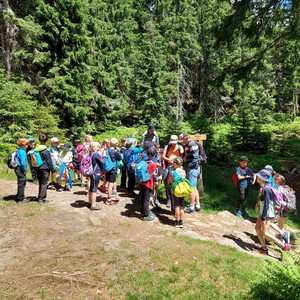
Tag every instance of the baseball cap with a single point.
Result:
(54, 140)
(31, 139)
(243, 158)
(67, 145)
(269, 168)
(151, 127)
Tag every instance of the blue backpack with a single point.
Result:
(141, 171)
(108, 163)
(36, 159)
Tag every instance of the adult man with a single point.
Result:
(150, 135)
(171, 151)
(191, 159)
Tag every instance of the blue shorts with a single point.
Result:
(94, 183)
(192, 176)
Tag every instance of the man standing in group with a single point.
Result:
(150, 136)
(192, 162)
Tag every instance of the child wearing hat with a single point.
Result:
(267, 213)
(245, 175)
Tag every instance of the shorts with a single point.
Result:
(178, 201)
(94, 183)
(111, 176)
(192, 176)
(76, 166)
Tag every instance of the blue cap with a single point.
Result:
(31, 139)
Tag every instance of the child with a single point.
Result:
(31, 146)
(56, 161)
(44, 170)
(102, 151)
(20, 170)
(146, 188)
(95, 179)
(77, 157)
(245, 176)
(267, 214)
(178, 201)
(111, 175)
(66, 158)
(123, 169)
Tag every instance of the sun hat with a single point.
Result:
(54, 140)
(269, 168)
(264, 175)
(173, 139)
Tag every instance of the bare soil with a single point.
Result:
(61, 249)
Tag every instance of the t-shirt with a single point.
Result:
(151, 169)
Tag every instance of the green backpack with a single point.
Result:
(181, 186)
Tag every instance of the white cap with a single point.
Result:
(54, 140)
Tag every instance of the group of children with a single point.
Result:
(63, 158)
(271, 205)
(108, 159)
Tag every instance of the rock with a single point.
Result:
(96, 221)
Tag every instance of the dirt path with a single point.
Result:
(46, 237)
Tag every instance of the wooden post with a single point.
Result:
(199, 138)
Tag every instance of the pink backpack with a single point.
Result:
(80, 151)
(86, 165)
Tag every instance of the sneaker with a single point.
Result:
(97, 207)
(82, 184)
(59, 188)
(189, 210)
(239, 214)
(176, 223)
(149, 218)
(111, 202)
(286, 247)
(198, 209)
(261, 250)
(43, 201)
(286, 237)
(25, 200)
(180, 223)
(67, 188)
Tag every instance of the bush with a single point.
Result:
(279, 280)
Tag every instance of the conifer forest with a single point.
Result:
(86, 66)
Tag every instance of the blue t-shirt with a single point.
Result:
(243, 172)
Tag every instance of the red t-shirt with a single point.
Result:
(151, 168)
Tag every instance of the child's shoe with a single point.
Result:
(239, 214)
(189, 210)
(67, 188)
(261, 250)
(197, 208)
(286, 247)
(180, 223)
(111, 201)
(149, 218)
(176, 223)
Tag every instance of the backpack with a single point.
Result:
(289, 197)
(202, 154)
(13, 161)
(141, 171)
(235, 179)
(120, 163)
(108, 163)
(80, 152)
(86, 165)
(36, 159)
(181, 186)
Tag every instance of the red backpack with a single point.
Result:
(235, 179)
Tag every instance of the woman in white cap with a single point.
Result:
(267, 214)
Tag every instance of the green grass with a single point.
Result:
(210, 271)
